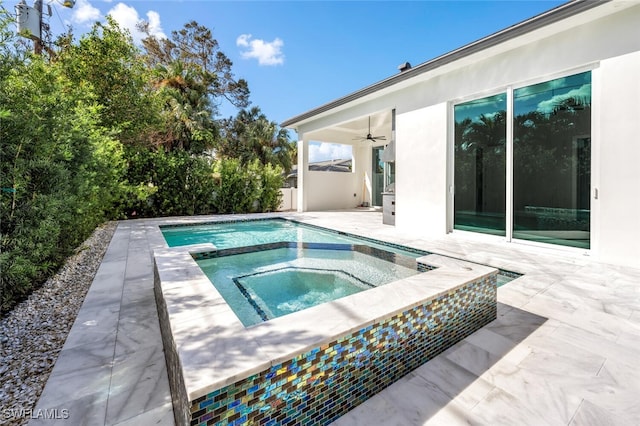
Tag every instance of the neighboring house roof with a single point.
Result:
(546, 18)
(326, 166)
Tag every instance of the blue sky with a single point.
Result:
(297, 55)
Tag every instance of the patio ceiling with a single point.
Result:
(353, 131)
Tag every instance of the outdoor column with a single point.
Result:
(303, 169)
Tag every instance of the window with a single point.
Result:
(480, 165)
(551, 166)
(552, 161)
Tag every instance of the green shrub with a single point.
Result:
(247, 189)
(272, 181)
(171, 183)
(60, 174)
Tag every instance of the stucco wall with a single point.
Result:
(422, 127)
(331, 190)
(421, 173)
(617, 210)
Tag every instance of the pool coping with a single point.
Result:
(215, 349)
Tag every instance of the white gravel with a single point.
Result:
(33, 333)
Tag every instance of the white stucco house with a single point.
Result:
(530, 136)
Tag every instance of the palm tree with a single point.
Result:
(188, 109)
(251, 135)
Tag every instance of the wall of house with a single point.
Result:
(423, 127)
(617, 176)
(608, 46)
(331, 190)
(421, 172)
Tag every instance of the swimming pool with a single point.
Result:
(268, 281)
(268, 268)
(242, 233)
(312, 365)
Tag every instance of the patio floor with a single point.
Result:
(563, 351)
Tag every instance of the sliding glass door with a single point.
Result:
(480, 167)
(550, 163)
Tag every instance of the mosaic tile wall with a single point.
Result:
(317, 387)
(179, 395)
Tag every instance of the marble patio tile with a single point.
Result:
(107, 299)
(110, 275)
(550, 380)
(517, 324)
(139, 265)
(547, 306)
(471, 357)
(139, 295)
(138, 331)
(536, 280)
(635, 316)
(409, 401)
(76, 374)
(503, 309)
(627, 286)
(559, 358)
(603, 298)
(159, 416)
(419, 401)
(117, 250)
(87, 409)
(454, 381)
(139, 383)
(502, 408)
(615, 389)
(595, 343)
(376, 410)
(516, 295)
(93, 327)
(551, 396)
(591, 414)
(498, 345)
(608, 326)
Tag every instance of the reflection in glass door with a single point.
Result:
(480, 165)
(377, 176)
(552, 161)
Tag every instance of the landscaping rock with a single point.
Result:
(33, 333)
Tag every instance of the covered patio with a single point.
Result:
(368, 177)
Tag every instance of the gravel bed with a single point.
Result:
(33, 333)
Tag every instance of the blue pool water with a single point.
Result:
(268, 268)
(266, 284)
(226, 235)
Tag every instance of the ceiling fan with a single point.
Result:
(369, 137)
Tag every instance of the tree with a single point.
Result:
(187, 114)
(250, 135)
(60, 172)
(106, 64)
(192, 76)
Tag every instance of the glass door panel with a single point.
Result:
(377, 176)
(552, 161)
(480, 165)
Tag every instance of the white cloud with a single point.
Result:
(127, 17)
(84, 13)
(267, 53)
(329, 151)
(583, 93)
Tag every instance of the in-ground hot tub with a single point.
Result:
(313, 365)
